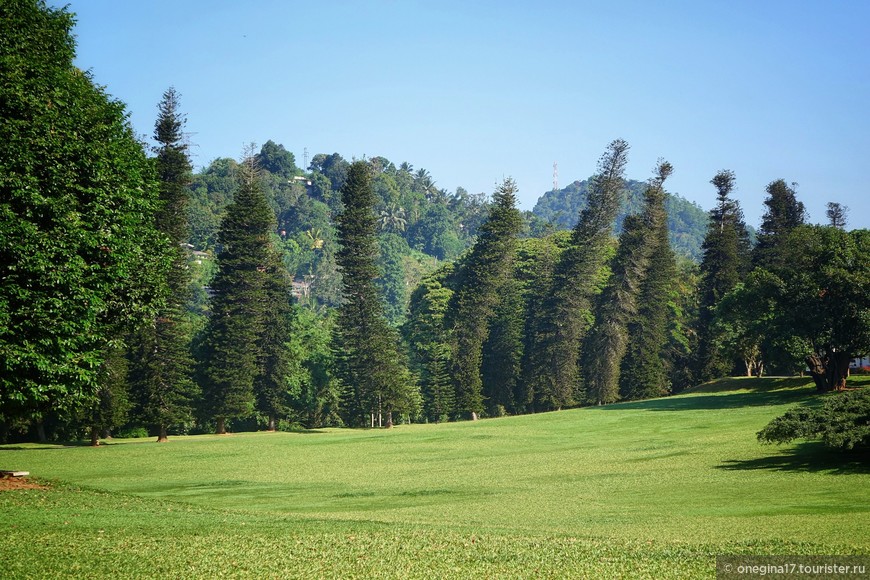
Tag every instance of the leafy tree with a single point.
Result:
(391, 282)
(784, 213)
(842, 422)
(111, 405)
(315, 394)
(618, 304)
(744, 320)
(161, 370)
(427, 337)
(80, 258)
(824, 302)
(565, 315)
(486, 272)
(725, 263)
(368, 361)
(232, 357)
(275, 159)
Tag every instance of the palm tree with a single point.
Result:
(393, 218)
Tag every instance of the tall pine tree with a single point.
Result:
(233, 359)
(646, 365)
(487, 271)
(565, 315)
(271, 387)
(618, 304)
(162, 366)
(375, 376)
(725, 262)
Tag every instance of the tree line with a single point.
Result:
(412, 304)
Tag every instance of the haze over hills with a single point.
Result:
(687, 221)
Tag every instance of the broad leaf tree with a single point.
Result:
(80, 259)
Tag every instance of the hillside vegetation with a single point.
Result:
(653, 488)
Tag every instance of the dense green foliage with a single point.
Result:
(232, 363)
(479, 293)
(369, 363)
(565, 314)
(80, 259)
(726, 261)
(617, 307)
(842, 422)
(161, 373)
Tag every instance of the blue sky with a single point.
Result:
(477, 91)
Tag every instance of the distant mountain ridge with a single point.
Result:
(687, 221)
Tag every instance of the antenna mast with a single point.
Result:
(305, 159)
(555, 176)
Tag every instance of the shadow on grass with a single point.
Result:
(759, 398)
(811, 456)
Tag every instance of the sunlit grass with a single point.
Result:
(638, 488)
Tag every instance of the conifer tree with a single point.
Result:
(486, 273)
(162, 365)
(232, 355)
(725, 262)
(784, 213)
(271, 385)
(375, 376)
(428, 340)
(554, 371)
(646, 366)
(617, 306)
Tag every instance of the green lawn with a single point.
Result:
(653, 488)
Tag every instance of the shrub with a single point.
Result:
(843, 422)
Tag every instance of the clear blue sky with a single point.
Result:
(475, 91)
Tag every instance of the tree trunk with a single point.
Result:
(830, 371)
(838, 371)
(389, 419)
(95, 437)
(817, 371)
(162, 437)
(272, 424)
(221, 426)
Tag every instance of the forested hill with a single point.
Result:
(687, 221)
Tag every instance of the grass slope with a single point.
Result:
(653, 488)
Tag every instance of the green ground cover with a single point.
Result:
(653, 488)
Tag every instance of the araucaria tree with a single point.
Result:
(374, 374)
(784, 213)
(163, 388)
(725, 262)
(80, 258)
(233, 356)
(553, 374)
(647, 364)
(487, 272)
(618, 304)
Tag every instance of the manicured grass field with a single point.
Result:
(654, 488)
